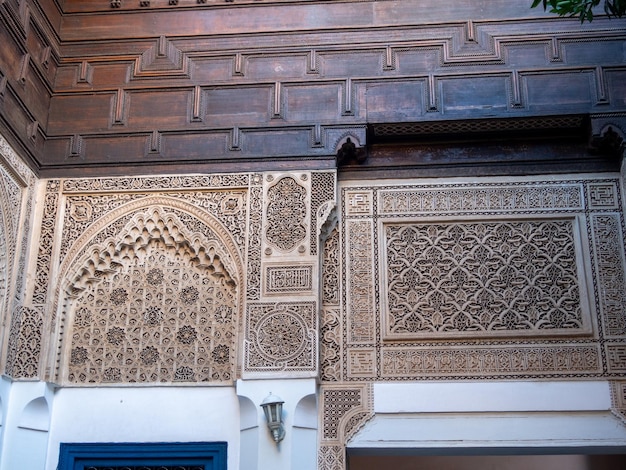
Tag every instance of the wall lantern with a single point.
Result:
(273, 409)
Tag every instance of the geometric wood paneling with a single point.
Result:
(172, 80)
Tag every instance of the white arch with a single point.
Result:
(35, 415)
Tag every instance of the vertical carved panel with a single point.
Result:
(9, 215)
(330, 345)
(322, 191)
(253, 285)
(609, 247)
(330, 270)
(16, 186)
(331, 329)
(24, 348)
(286, 213)
(46, 240)
(25, 228)
(360, 269)
(618, 395)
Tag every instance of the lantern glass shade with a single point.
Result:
(273, 409)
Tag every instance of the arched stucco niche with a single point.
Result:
(36, 415)
(150, 293)
(249, 434)
(304, 443)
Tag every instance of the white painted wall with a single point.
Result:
(489, 415)
(304, 444)
(26, 421)
(145, 414)
(483, 396)
(37, 418)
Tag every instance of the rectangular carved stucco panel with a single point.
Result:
(482, 279)
(495, 278)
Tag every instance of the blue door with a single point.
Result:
(143, 456)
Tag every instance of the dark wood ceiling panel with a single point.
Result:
(145, 109)
(412, 60)
(401, 101)
(212, 70)
(543, 88)
(282, 142)
(475, 95)
(392, 11)
(314, 102)
(203, 22)
(82, 113)
(363, 63)
(616, 85)
(93, 75)
(527, 54)
(238, 106)
(107, 150)
(207, 146)
(606, 52)
(276, 67)
(28, 60)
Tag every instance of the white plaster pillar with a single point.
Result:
(268, 454)
(26, 422)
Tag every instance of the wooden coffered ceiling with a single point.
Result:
(93, 87)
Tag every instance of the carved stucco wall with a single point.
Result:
(494, 279)
(209, 278)
(281, 330)
(17, 187)
(120, 270)
(176, 279)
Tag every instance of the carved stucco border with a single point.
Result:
(344, 410)
(15, 258)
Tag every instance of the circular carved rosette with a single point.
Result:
(280, 336)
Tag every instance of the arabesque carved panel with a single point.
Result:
(17, 189)
(490, 197)
(482, 279)
(281, 337)
(286, 214)
(330, 345)
(506, 360)
(330, 270)
(494, 279)
(24, 349)
(360, 296)
(609, 245)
